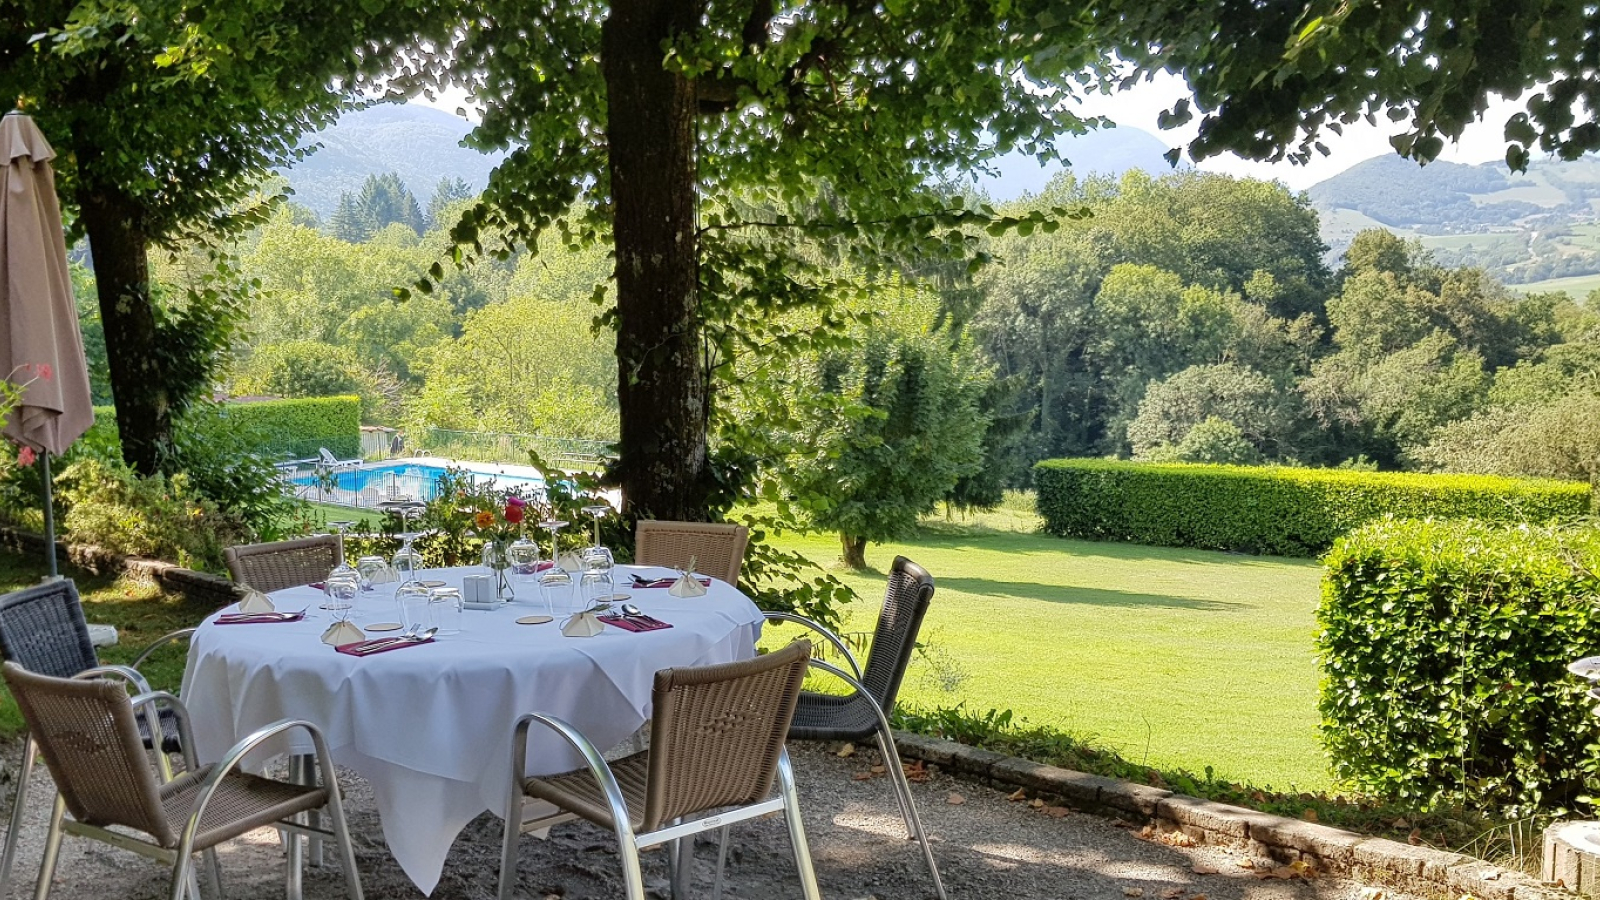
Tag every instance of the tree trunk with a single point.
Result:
(854, 551)
(662, 393)
(122, 283)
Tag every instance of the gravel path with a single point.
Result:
(988, 848)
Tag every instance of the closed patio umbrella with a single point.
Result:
(40, 346)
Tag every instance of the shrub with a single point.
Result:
(1283, 511)
(298, 428)
(110, 506)
(1444, 649)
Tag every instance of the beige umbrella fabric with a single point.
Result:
(41, 349)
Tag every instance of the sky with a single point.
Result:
(1139, 106)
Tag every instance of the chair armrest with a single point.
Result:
(128, 674)
(591, 757)
(158, 643)
(822, 632)
(150, 703)
(860, 689)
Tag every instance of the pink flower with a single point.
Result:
(516, 501)
(45, 371)
(26, 456)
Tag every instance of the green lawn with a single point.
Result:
(1175, 658)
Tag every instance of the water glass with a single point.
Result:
(406, 563)
(412, 600)
(340, 589)
(596, 586)
(370, 567)
(555, 587)
(523, 556)
(444, 610)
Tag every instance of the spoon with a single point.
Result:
(630, 611)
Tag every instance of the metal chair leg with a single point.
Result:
(680, 854)
(341, 833)
(722, 861)
(18, 806)
(891, 758)
(52, 851)
(797, 828)
(214, 873)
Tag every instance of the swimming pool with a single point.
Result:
(370, 484)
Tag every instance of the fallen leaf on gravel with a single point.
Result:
(1202, 869)
(879, 770)
(1246, 864)
(1146, 833)
(955, 799)
(1020, 794)
(1371, 893)
(1304, 869)
(847, 750)
(1056, 812)
(1171, 894)
(917, 772)
(1036, 803)
(863, 776)
(1133, 892)
(1198, 897)
(1176, 839)
(1310, 815)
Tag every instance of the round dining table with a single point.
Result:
(429, 725)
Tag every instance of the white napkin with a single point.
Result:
(342, 632)
(255, 602)
(584, 624)
(687, 585)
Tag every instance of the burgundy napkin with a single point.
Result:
(355, 648)
(319, 585)
(664, 582)
(635, 623)
(258, 618)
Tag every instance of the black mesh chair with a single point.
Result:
(864, 712)
(43, 630)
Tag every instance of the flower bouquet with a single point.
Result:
(497, 523)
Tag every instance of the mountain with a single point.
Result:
(1107, 151)
(1526, 228)
(419, 143)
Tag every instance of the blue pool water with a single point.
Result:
(370, 484)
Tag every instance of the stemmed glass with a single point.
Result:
(555, 581)
(596, 583)
(407, 560)
(523, 557)
(343, 582)
(343, 567)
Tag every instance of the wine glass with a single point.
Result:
(407, 561)
(555, 583)
(343, 567)
(523, 555)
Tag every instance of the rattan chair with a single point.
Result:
(86, 732)
(865, 711)
(716, 742)
(43, 630)
(283, 564)
(716, 549)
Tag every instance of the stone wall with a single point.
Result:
(201, 587)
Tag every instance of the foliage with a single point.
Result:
(1242, 398)
(110, 506)
(1445, 647)
(383, 200)
(1284, 511)
(299, 428)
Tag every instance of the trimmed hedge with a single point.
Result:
(1444, 649)
(1276, 510)
(298, 428)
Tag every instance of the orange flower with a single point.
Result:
(483, 519)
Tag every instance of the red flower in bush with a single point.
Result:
(25, 456)
(514, 512)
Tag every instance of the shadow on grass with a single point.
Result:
(994, 541)
(1079, 596)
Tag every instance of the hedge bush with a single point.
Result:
(299, 428)
(1276, 510)
(1444, 648)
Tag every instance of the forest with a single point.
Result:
(1190, 317)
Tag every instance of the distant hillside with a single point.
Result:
(1109, 151)
(1524, 227)
(419, 143)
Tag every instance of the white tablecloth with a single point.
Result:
(430, 726)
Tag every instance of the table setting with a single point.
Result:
(415, 688)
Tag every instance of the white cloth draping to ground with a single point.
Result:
(430, 726)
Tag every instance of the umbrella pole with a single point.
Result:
(49, 518)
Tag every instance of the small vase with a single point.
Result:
(496, 561)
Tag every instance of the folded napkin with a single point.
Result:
(258, 618)
(640, 582)
(378, 645)
(635, 623)
(318, 585)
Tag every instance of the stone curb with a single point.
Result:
(1421, 870)
(200, 587)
